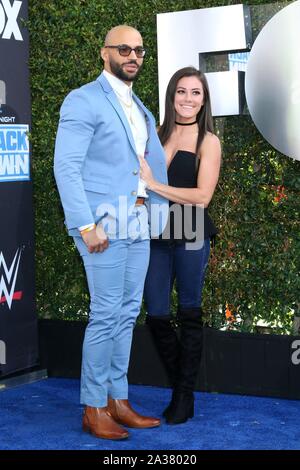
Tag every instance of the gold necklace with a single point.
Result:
(128, 105)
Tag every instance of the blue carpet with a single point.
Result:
(46, 415)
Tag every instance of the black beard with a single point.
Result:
(119, 72)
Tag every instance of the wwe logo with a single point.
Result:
(8, 279)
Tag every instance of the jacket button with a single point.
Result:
(133, 193)
(135, 172)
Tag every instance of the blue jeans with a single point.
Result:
(170, 261)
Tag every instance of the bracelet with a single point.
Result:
(88, 229)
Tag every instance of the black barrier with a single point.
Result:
(18, 322)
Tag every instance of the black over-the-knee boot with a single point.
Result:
(167, 344)
(190, 356)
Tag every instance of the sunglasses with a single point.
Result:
(125, 50)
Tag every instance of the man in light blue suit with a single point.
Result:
(103, 131)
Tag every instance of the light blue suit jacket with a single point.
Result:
(96, 160)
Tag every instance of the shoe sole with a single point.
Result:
(142, 427)
(89, 431)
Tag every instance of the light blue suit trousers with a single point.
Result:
(116, 280)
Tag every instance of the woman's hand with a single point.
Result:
(146, 173)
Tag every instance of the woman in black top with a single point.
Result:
(193, 155)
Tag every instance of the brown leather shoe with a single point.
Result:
(99, 422)
(123, 413)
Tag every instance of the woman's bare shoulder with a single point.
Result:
(211, 139)
(210, 145)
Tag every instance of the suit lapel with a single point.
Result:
(147, 116)
(112, 98)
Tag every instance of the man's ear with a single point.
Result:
(104, 53)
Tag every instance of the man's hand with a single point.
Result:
(96, 240)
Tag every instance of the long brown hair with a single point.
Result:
(204, 117)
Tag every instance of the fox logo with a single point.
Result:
(8, 20)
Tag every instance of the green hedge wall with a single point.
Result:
(254, 268)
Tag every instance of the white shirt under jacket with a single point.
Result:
(136, 120)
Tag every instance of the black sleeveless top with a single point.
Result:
(186, 222)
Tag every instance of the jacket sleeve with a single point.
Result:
(75, 132)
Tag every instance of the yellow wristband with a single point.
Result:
(88, 229)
